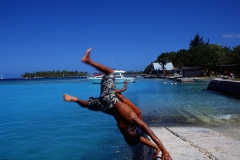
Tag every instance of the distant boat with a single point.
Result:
(1, 76)
(119, 78)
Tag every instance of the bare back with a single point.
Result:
(124, 115)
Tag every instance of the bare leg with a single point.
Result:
(69, 98)
(86, 59)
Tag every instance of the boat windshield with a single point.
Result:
(117, 75)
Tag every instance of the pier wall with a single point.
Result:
(143, 152)
(225, 86)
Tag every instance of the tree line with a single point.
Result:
(64, 73)
(53, 74)
(200, 54)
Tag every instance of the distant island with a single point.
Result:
(65, 73)
(53, 74)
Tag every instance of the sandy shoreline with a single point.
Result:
(199, 143)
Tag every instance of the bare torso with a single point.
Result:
(124, 115)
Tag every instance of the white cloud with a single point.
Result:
(231, 35)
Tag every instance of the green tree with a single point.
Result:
(172, 57)
(181, 59)
(228, 55)
(51, 74)
(236, 52)
(148, 69)
(215, 56)
(163, 59)
(206, 56)
(198, 41)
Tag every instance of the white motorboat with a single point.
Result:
(119, 78)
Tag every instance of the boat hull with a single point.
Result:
(117, 80)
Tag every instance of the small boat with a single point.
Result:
(119, 78)
(1, 76)
(98, 75)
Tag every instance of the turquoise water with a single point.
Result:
(36, 123)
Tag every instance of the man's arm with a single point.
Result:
(123, 89)
(149, 132)
(150, 144)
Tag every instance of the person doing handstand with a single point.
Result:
(126, 118)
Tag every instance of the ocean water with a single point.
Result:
(35, 122)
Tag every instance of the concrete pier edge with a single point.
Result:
(202, 150)
(199, 143)
(228, 87)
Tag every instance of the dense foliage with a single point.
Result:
(53, 74)
(200, 54)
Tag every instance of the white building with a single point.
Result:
(158, 70)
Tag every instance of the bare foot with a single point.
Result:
(69, 98)
(86, 57)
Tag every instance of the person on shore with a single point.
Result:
(126, 118)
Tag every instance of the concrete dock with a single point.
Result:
(198, 143)
(185, 79)
(225, 86)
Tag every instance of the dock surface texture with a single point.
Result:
(197, 143)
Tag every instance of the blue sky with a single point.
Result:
(46, 35)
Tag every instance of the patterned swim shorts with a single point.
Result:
(107, 97)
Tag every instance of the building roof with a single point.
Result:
(157, 66)
(168, 66)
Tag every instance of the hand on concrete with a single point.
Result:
(166, 156)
